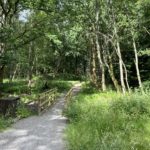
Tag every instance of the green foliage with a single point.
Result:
(43, 84)
(5, 123)
(60, 35)
(23, 111)
(69, 76)
(16, 87)
(144, 52)
(106, 121)
(88, 88)
(146, 86)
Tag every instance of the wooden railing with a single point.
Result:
(69, 96)
(45, 100)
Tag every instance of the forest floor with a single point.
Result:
(45, 132)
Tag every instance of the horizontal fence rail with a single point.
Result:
(46, 99)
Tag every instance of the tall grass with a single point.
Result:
(109, 121)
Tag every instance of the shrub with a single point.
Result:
(5, 122)
(146, 85)
(23, 111)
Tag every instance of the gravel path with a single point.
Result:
(38, 132)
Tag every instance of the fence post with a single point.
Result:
(39, 107)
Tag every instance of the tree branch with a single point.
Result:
(146, 30)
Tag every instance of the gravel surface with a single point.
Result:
(45, 132)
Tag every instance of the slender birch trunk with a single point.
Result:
(31, 63)
(126, 77)
(120, 58)
(136, 61)
(98, 49)
(110, 68)
(121, 68)
(137, 64)
(103, 84)
(93, 63)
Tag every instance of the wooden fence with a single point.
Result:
(69, 96)
(45, 100)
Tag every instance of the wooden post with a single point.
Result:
(39, 106)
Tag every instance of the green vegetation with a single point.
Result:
(108, 121)
(46, 44)
(19, 87)
(40, 84)
(5, 123)
(23, 111)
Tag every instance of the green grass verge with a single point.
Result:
(5, 123)
(108, 121)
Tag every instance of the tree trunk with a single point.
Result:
(31, 63)
(111, 72)
(93, 64)
(15, 72)
(136, 56)
(137, 65)
(98, 49)
(1, 74)
(126, 77)
(121, 68)
(1, 78)
(112, 75)
(120, 60)
(103, 84)
(118, 51)
(108, 62)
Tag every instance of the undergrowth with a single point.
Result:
(108, 121)
(5, 123)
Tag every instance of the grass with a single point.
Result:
(108, 121)
(5, 123)
(17, 86)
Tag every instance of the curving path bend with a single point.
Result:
(44, 132)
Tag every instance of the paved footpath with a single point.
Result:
(44, 132)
